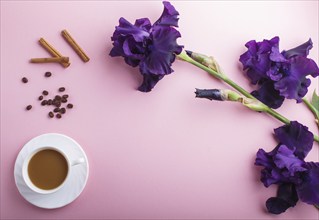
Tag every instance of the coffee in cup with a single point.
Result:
(46, 169)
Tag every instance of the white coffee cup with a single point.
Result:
(25, 174)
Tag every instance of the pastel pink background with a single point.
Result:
(162, 154)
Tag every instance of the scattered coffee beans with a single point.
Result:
(28, 107)
(24, 80)
(48, 74)
(59, 102)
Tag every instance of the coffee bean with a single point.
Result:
(57, 104)
(56, 109)
(28, 107)
(62, 110)
(69, 105)
(65, 96)
(49, 102)
(48, 74)
(61, 89)
(63, 100)
(57, 97)
(44, 102)
(24, 80)
(58, 115)
(45, 92)
(40, 97)
(51, 115)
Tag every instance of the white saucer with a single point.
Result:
(73, 186)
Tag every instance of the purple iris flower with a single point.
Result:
(285, 166)
(151, 47)
(257, 58)
(279, 75)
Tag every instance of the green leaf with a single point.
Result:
(315, 100)
(313, 105)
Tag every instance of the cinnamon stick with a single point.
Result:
(52, 51)
(66, 35)
(50, 60)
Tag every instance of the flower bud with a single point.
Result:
(207, 61)
(229, 95)
(254, 104)
(211, 94)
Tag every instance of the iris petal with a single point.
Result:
(295, 135)
(276, 56)
(269, 95)
(264, 159)
(149, 81)
(277, 205)
(285, 158)
(291, 85)
(286, 197)
(301, 50)
(169, 16)
(287, 192)
(139, 32)
(161, 53)
(274, 73)
(308, 190)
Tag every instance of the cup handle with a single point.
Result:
(78, 161)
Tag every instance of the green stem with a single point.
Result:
(311, 107)
(270, 111)
(223, 77)
(237, 87)
(280, 117)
